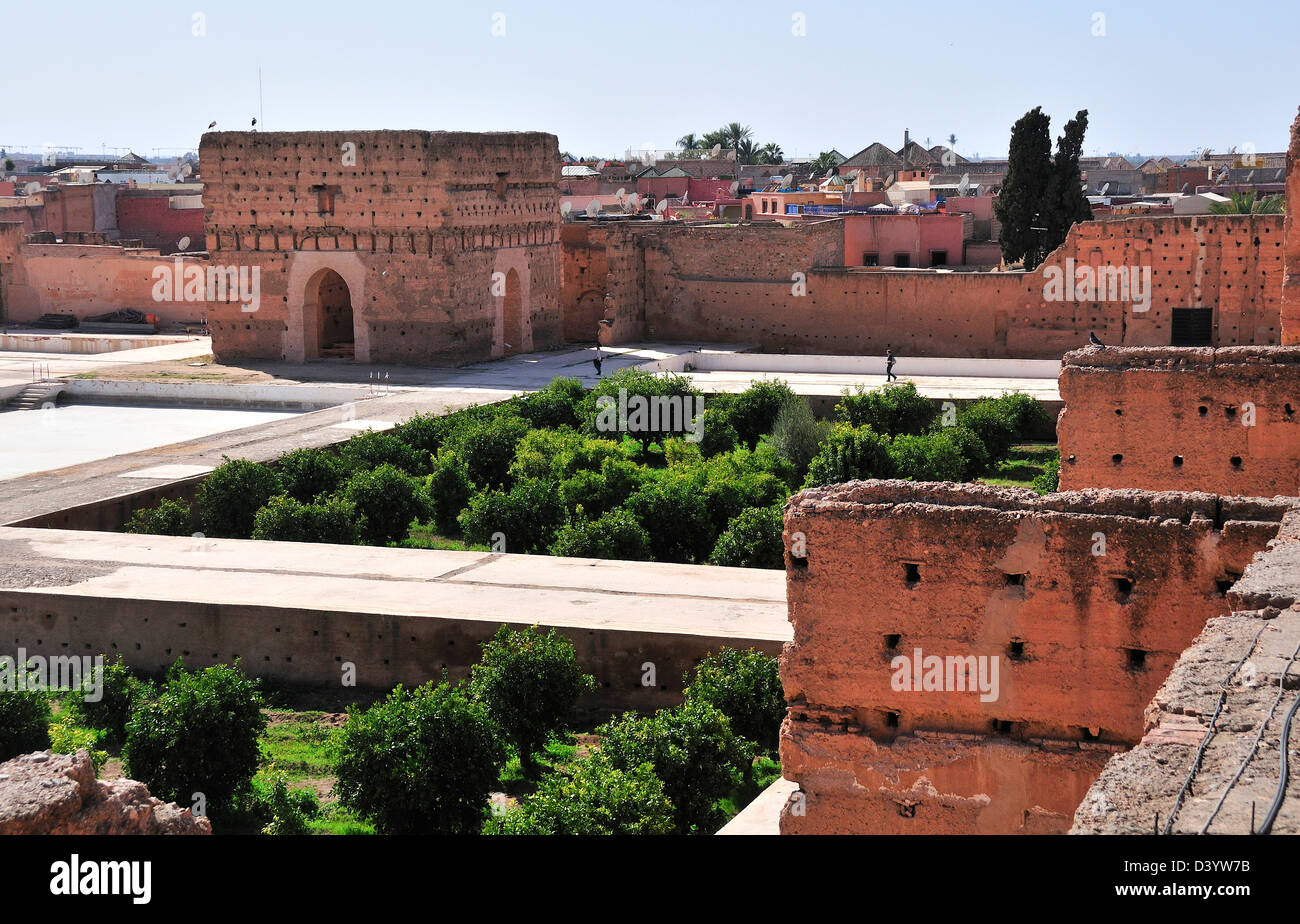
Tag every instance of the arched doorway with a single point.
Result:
(335, 337)
(513, 315)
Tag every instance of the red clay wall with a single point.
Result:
(736, 284)
(1178, 419)
(1002, 574)
(419, 224)
(150, 219)
(1291, 288)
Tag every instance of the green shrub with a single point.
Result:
(1049, 482)
(169, 518)
(719, 433)
(120, 693)
(449, 490)
(993, 423)
(530, 682)
(556, 405)
(199, 736)
(527, 515)
(972, 450)
(388, 500)
(932, 456)
(889, 410)
(733, 482)
(306, 474)
(615, 535)
(1028, 418)
(425, 432)
(745, 686)
(230, 497)
(797, 434)
(284, 519)
(489, 448)
(694, 752)
(753, 539)
(284, 810)
(420, 762)
(600, 492)
(559, 454)
(756, 408)
(850, 453)
(371, 449)
(595, 799)
(24, 721)
(672, 511)
(68, 738)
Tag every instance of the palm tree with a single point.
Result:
(734, 133)
(1246, 203)
(747, 152)
(771, 153)
(688, 142)
(823, 164)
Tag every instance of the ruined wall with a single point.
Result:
(1291, 287)
(416, 223)
(1083, 635)
(1177, 419)
(736, 284)
(584, 277)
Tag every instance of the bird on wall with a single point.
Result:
(1095, 341)
(212, 124)
(254, 124)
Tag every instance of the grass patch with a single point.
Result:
(1023, 464)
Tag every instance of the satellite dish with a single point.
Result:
(634, 200)
(735, 188)
(183, 243)
(601, 165)
(1250, 176)
(31, 189)
(1104, 187)
(661, 206)
(187, 169)
(787, 180)
(1186, 186)
(593, 208)
(717, 149)
(173, 173)
(963, 187)
(566, 208)
(621, 194)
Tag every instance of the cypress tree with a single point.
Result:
(1066, 202)
(1029, 171)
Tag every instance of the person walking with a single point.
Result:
(597, 360)
(889, 365)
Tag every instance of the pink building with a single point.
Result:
(924, 240)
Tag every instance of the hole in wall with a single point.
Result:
(1178, 461)
(1136, 659)
(1013, 580)
(1236, 461)
(912, 573)
(1123, 586)
(1016, 649)
(1117, 458)
(891, 641)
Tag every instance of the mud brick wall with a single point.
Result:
(415, 227)
(1083, 640)
(1291, 286)
(1225, 421)
(735, 284)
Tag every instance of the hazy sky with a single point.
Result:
(608, 75)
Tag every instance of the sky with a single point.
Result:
(605, 77)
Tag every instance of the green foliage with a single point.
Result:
(745, 686)
(1247, 203)
(595, 799)
(694, 752)
(68, 738)
(559, 454)
(600, 492)
(753, 539)
(614, 535)
(530, 682)
(449, 490)
(755, 410)
(1028, 419)
(975, 455)
(732, 482)
(420, 762)
(889, 410)
(1041, 198)
(1049, 481)
(556, 405)
(306, 474)
(933, 456)
(230, 497)
(599, 410)
(169, 518)
(797, 435)
(286, 811)
(24, 720)
(1065, 201)
(120, 693)
(199, 735)
(994, 424)
(389, 500)
(672, 511)
(332, 520)
(850, 453)
(426, 432)
(489, 448)
(371, 449)
(528, 515)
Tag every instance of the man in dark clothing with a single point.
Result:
(597, 360)
(889, 365)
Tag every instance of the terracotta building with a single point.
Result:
(393, 246)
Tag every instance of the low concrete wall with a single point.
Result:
(111, 513)
(80, 343)
(308, 396)
(776, 363)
